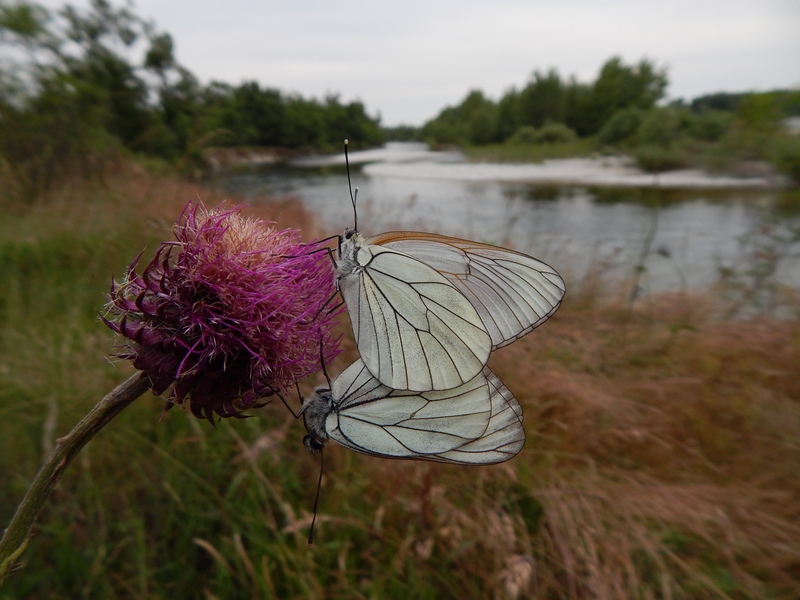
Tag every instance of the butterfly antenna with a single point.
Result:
(353, 197)
(316, 499)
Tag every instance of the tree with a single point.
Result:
(474, 121)
(619, 86)
(509, 119)
(543, 100)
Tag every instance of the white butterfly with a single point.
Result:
(427, 309)
(477, 423)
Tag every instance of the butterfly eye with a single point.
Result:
(349, 233)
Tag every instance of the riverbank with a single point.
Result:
(612, 171)
(402, 159)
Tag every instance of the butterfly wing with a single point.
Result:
(512, 292)
(479, 422)
(504, 435)
(414, 329)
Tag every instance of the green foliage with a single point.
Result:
(620, 108)
(23, 20)
(527, 134)
(620, 86)
(622, 125)
(759, 112)
(674, 136)
(711, 125)
(660, 127)
(549, 133)
(474, 121)
(543, 100)
(721, 101)
(509, 118)
(81, 93)
(530, 152)
(547, 99)
(60, 133)
(482, 126)
(787, 157)
(402, 133)
(655, 158)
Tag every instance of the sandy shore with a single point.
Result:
(594, 172)
(416, 161)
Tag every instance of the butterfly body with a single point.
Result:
(350, 245)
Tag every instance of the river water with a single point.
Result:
(675, 237)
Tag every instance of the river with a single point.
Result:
(679, 231)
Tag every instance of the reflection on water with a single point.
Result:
(689, 234)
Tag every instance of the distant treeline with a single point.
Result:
(620, 92)
(70, 91)
(547, 99)
(620, 112)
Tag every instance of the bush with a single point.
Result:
(553, 133)
(711, 125)
(656, 158)
(787, 157)
(622, 125)
(527, 134)
(549, 133)
(659, 127)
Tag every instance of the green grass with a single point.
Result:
(661, 459)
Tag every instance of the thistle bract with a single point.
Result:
(232, 312)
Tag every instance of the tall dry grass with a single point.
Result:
(668, 450)
(661, 460)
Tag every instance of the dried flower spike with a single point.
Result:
(231, 313)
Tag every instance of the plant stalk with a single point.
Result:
(17, 534)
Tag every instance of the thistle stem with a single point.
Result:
(16, 536)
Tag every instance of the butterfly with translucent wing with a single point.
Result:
(476, 423)
(428, 309)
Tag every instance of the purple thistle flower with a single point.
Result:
(231, 313)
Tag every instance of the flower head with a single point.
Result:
(232, 312)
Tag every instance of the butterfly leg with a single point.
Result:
(296, 415)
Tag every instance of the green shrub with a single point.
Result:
(656, 158)
(527, 134)
(787, 157)
(710, 125)
(659, 127)
(622, 125)
(549, 133)
(553, 133)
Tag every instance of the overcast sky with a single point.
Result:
(408, 60)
